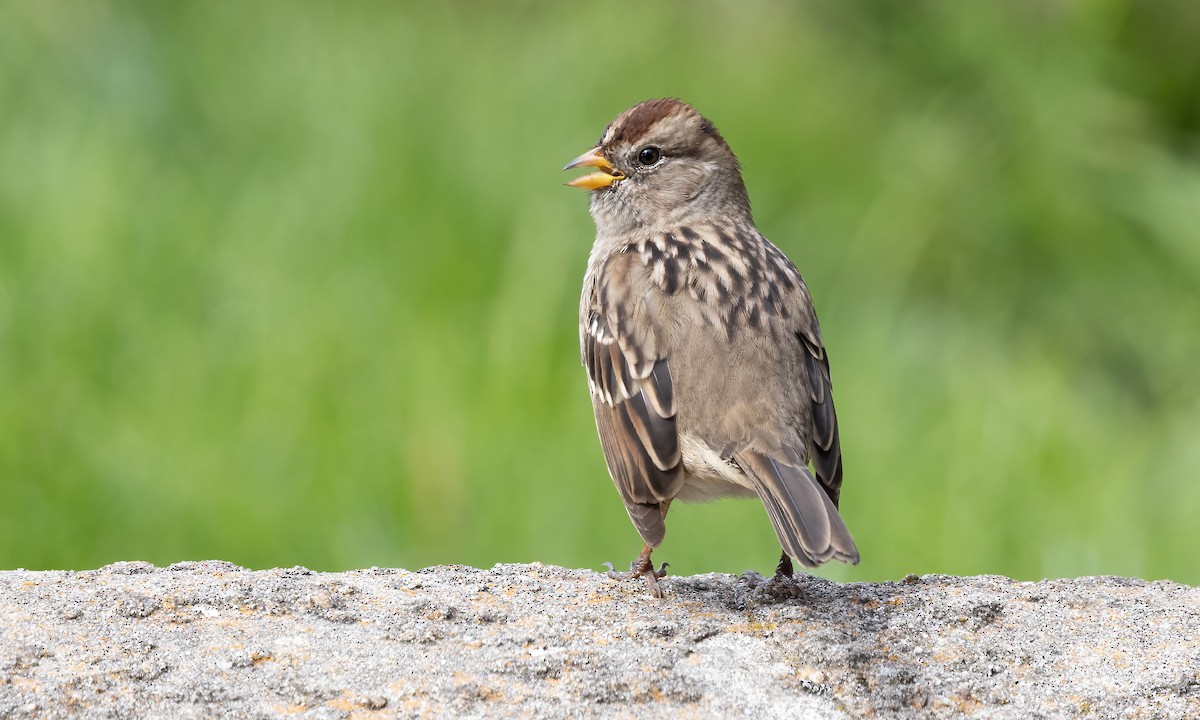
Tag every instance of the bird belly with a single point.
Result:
(709, 476)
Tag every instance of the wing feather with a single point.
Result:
(826, 446)
(633, 399)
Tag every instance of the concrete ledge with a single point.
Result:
(212, 640)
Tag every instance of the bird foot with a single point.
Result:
(781, 584)
(783, 570)
(642, 567)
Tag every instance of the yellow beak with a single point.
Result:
(594, 181)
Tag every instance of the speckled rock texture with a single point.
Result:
(212, 640)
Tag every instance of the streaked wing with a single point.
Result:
(632, 396)
(826, 447)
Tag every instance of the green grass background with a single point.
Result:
(297, 283)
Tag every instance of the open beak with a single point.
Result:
(606, 176)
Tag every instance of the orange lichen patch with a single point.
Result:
(896, 601)
(490, 694)
(403, 687)
(753, 628)
(24, 683)
(227, 622)
(479, 691)
(28, 584)
(966, 704)
(359, 708)
(484, 598)
(290, 709)
(415, 704)
(598, 599)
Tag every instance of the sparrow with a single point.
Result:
(705, 362)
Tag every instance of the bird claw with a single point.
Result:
(642, 567)
(615, 575)
(652, 585)
(782, 582)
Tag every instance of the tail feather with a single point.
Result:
(805, 519)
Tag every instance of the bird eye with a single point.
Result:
(649, 155)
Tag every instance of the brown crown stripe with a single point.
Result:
(638, 120)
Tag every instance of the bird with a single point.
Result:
(705, 363)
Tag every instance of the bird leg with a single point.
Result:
(643, 567)
(783, 571)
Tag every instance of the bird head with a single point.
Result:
(659, 163)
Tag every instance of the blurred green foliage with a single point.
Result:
(297, 284)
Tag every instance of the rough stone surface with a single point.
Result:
(212, 640)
